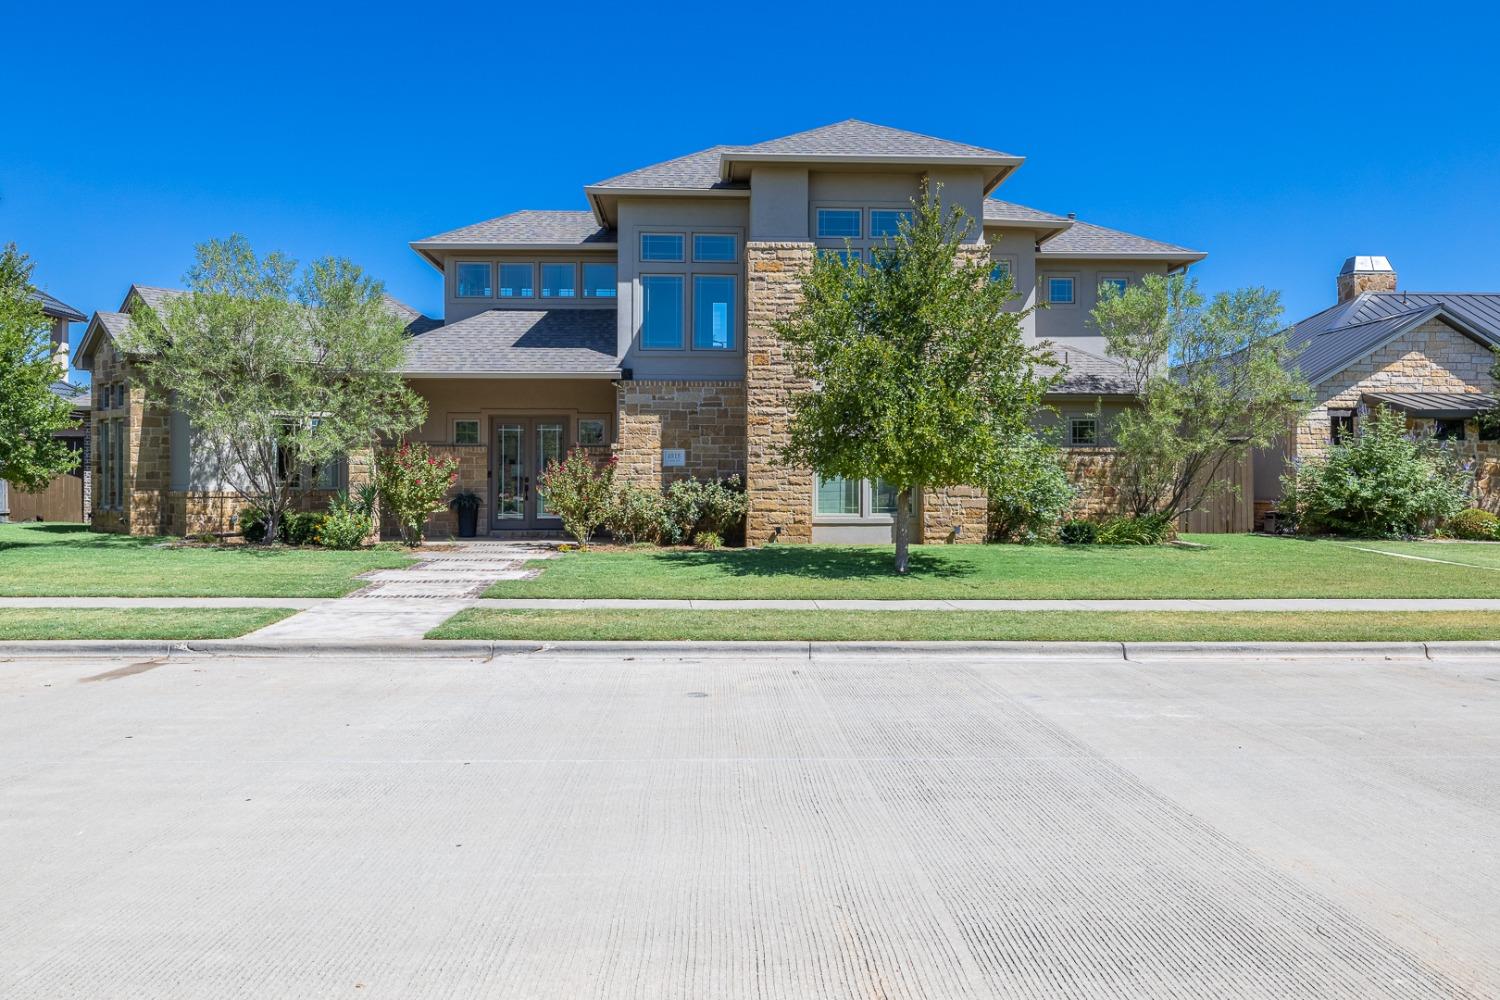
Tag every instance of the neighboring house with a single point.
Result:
(642, 327)
(65, 500)
(1426, 354)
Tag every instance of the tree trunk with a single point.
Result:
(903, 528)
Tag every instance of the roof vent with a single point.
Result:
(1073, 215)
(1365, 273)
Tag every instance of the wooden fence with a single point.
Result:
(62, 500)
(1227, 511)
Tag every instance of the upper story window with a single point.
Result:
(1060, 291)
(839, 223)
(662, 312)
(599, 281)
(713, 247)
(886, 222)
(661, 246)
(713, 312)
(517, 281)
(559, 281)
(474, 281)
(1000, 270)
(1083, 431)
(1118, 284)
(844, 255)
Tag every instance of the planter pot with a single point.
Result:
(468, 522)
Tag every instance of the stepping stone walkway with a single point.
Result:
(406, 603)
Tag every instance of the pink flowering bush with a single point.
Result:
(413, 486)
(580, 493)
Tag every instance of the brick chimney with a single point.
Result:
(1365, 274)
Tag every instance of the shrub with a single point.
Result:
(695, 505)
(253, 524)
(301, 528)
(1078, 532)
(1384, 481)
(412, 484)
(709, 540)
(1474, 525)
(638, 514)
(346, 524)
(1137, 529)
(1031, 494)
(579, 493)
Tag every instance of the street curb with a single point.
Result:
(917, 651)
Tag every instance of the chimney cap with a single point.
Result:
(1364, 264)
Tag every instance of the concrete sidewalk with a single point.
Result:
(361, 603)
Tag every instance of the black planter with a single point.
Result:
(468, 522)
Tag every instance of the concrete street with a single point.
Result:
(779, 828)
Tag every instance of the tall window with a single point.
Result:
(713, 312)
(662, 311)
(117, 440)
(1340, 425)
(105, 460)
(517, 281)
(473, 281)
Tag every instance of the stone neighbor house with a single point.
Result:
(641, 327)
(1426, 354)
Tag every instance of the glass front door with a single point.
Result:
(522, 448)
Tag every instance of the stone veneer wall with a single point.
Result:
(1091, 471)
(704, 418)
(147, 458)
(780, 498)
(954, 514)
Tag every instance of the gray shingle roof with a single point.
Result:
(1087, 239)
(56, 307)
(858, 138)
(996, 210)
(530, 226)
(1329, 341)
(1089, 374)
(519, 342)
(694, 171)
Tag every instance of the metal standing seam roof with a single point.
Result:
(57, 308)
(1329, 341)
(1437, 405)
(546, 342)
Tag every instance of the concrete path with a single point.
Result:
(767, 828)
(409, 602)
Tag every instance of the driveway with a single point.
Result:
(777, 828)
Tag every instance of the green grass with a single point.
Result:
(1228, 566)
(1482, 555)
(134, 623)
(68, 560)
(1054, 626)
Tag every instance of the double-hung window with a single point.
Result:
(837, 497)
(662, 311)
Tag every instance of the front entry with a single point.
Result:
(522, 447)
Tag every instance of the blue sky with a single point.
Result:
(1280, 142)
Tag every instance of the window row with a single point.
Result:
(666, 308)
(110, 396)
(591, 431)
(668, 248)
(836, 496)
(523, 280)
(856, 223)
(1062, 290)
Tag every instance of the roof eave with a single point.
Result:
(609, 373)
(1182, 259)
(597, 194)
(1003, 164)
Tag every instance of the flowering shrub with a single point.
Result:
(579, 493)
(1384, 482)
(346, 525)
(413, 484)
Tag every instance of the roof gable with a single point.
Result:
(1329, 341)
(56, 308)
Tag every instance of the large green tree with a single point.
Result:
(30, 412)
(1214, 379)
(279, 372)
(918, 372)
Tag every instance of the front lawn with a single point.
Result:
(1481, 555)
(135, 623)
(1228, 566)
(916, 626)
(68, 560)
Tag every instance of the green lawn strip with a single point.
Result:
(67, 560)
(134, 623)
(1481, 555)
(1057, 626)
(1228, 566)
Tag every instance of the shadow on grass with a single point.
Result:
(816, 563)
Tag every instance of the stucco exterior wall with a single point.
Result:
(1070, 326)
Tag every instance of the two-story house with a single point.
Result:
(642, 327)
(643, 324)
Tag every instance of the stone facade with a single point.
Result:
(1092, 473)
(141, 507)
(473, 476)
(1354, 283)
(705, 419)
(1432, 358)
(780, 497)
(953, 514)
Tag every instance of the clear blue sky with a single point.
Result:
(1279, 138)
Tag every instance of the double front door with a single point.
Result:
(522, 447)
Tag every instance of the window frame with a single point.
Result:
(1006, 261)
(684, 334)
(866, 514)
(1113, 279)
(640, 247)
(500, 267)
(1458, 429)
(490, 282)
(734, 246)
(1077, 420)
(1071, 279)
(614, 285)
(734, 309)
(593, 418)
(859, 214)
(871, 235)
(478, 430)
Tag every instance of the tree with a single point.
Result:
(30, 412)
(918, 372)
(1213, 381)
(279, 374)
